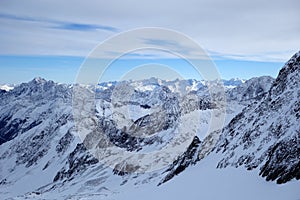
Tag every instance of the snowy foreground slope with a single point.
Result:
(204, 181)
(42, 156)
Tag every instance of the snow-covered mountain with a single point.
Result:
(266, 134)
(39, 136)
(6, 87)
(30, 105)
(252, 89)
(52, 136)
(234, 82)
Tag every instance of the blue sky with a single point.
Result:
(64, 69)
(52, 38)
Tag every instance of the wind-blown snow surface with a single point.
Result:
(204, 181)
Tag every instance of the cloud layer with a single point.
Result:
(246, 30)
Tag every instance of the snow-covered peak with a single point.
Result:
(288, 77)
(39, 87)
(177, 86)
(38, 80)
(265, 135)
(233, 82)
(251, 89)
(6, 87)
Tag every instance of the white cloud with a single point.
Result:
(255, 30)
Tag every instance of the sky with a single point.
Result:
(53, 39)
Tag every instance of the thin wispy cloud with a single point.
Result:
(84, 27)
(166, 43)
(183, 49)
(262, 57)
(55, 24)
(15, 17)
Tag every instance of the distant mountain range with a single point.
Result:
(42, 156)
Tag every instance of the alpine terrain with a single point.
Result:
(222, 139)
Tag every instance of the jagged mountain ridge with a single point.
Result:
(266, 135)
(77, 162)
(20, 107)
(147, 89)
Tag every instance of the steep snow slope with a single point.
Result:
(266, 134)
(35, 118)
(29, 104)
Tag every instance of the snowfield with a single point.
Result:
(204, 181)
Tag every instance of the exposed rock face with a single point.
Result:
(29, 104)
(78, 161)
(183, 161)
(267, 134)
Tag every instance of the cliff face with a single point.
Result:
(267, 133)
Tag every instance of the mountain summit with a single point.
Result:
(266, 135)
